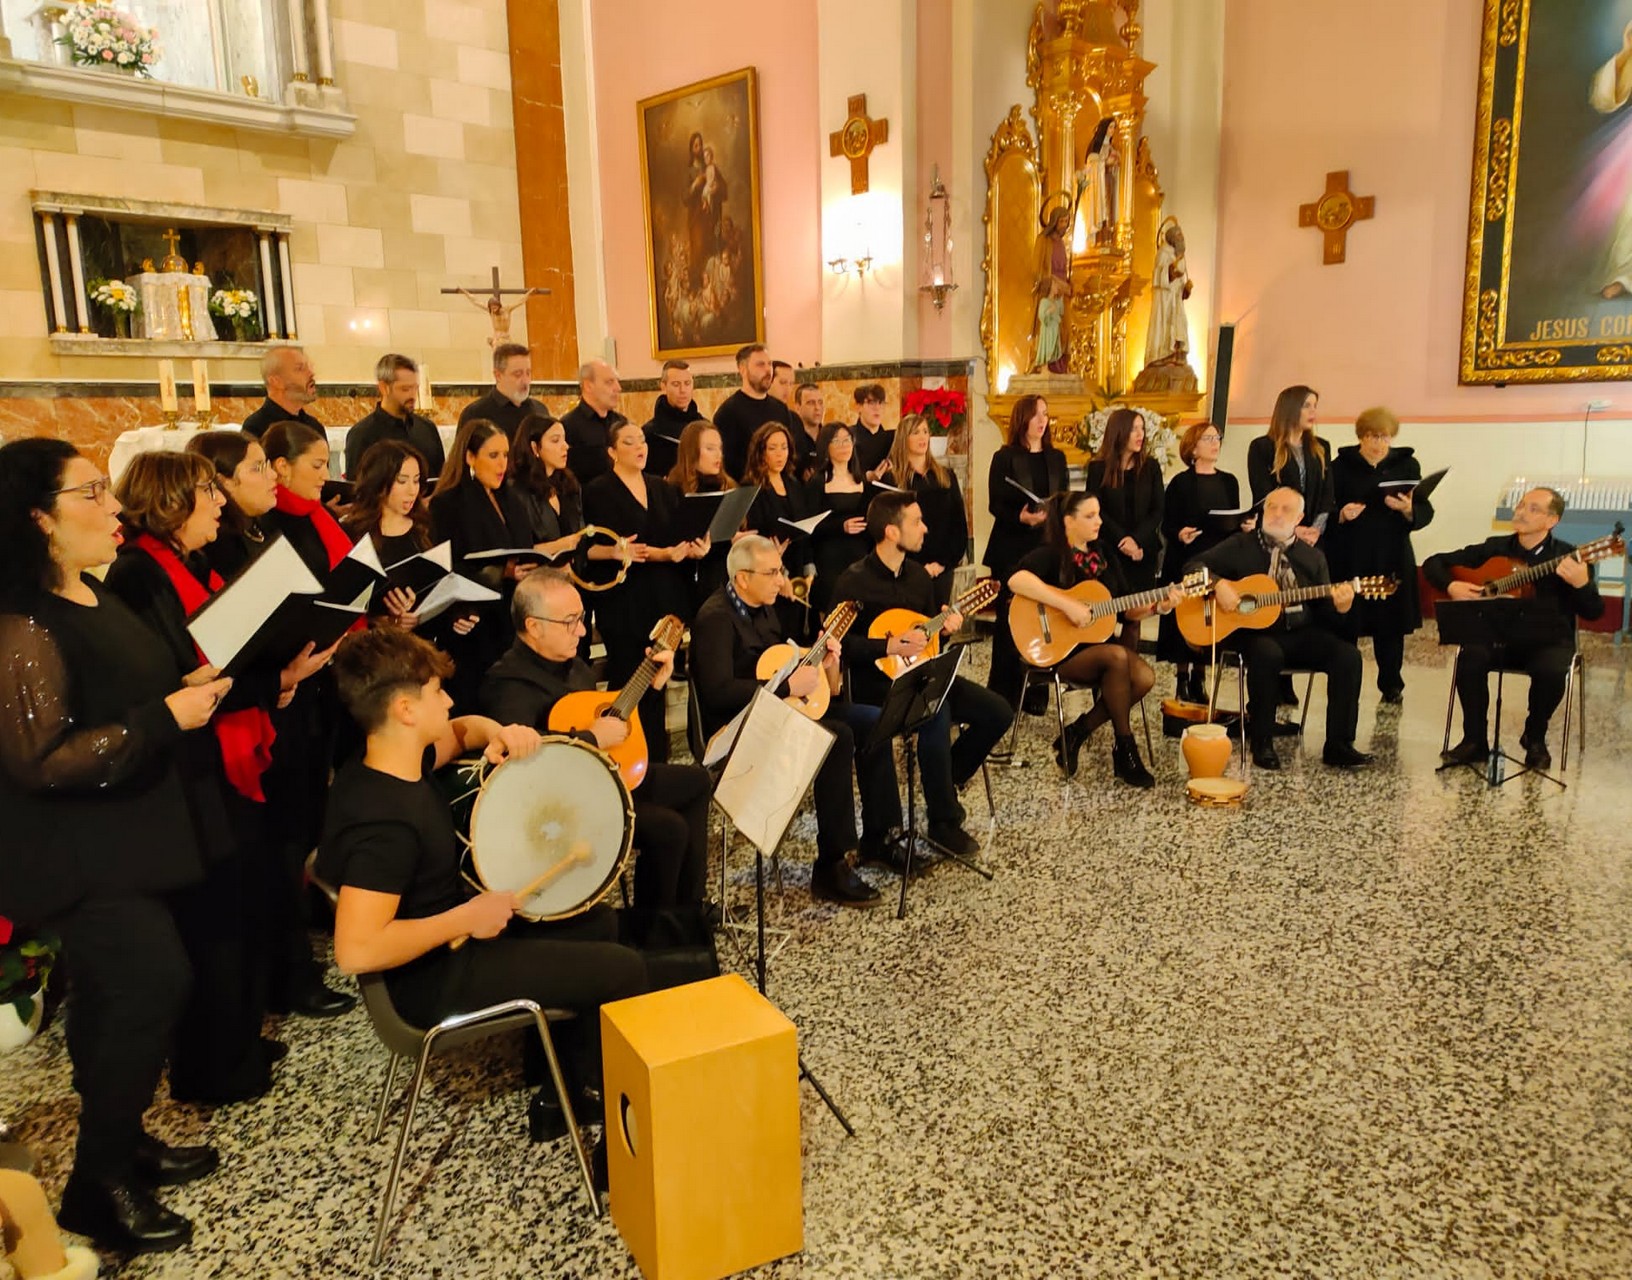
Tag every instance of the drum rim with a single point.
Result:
(619, 867)
(1217, 791)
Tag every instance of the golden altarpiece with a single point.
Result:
(1081, 197)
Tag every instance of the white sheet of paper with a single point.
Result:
(1023, 489)
(450, 590)
(364, 554)
(440, 555)
(230, 621)
(719, 746)
(776, 759)
(806, 526)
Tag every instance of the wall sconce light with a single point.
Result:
(861, 266)
(938, 282)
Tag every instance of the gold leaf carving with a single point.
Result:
(1493, 356)
(1501, 164)
(1510, 22)
(1615, 355)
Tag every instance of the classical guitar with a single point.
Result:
(1201, 621)
(1503, 575)
(895, 622)
(1044, 635)
(815, 703)
(577, 712)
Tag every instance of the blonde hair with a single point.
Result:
(901, 471)
(1377, 421)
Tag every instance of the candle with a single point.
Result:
(201, 387)
(425, 400)
(167, 387)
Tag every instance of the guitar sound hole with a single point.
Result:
(1249, 604)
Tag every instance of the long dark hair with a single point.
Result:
(472, 436)
(1019, 416)
(30, 474)
(226, 450)
(755, 471)
(527, 468)
(1060, 505)
(1283, 425)
(685, 476)
(1114, 443)
(824, 464)
(377, 471)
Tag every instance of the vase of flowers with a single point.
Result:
(98, 35)
(119, 300)
(946, 410)
(241, 309)
(26, 960)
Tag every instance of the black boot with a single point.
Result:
(1195, 686)
(1068, 750)
(1127, 764)
(121, 1214)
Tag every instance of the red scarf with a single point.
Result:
(245, 736)
(328, 528)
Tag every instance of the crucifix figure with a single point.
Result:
(1334, 213)
(856, 140)
(493, 304)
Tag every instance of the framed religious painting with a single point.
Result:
(1548, 296)
(699, 177)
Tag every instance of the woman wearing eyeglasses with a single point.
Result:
(92, 711)
(251, 488)
(1188, 532)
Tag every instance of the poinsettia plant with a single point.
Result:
(944, 407)
(26, 960)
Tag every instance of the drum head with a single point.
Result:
(1216, 791)
(563, 802)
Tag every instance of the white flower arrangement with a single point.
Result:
(116, 296)
(1161, 442)
(101, 36)
(236, 304)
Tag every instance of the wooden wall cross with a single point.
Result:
(856, 139)
(1334, 213)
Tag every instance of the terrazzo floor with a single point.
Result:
(1370, 1025)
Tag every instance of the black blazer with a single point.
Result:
(1243, 554)
(1318, 495)
(725, 649)
(1010, 539)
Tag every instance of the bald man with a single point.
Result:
(291, 385)
(587, 421)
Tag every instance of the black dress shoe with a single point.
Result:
(953, 838)
(1264, 757)
(273, 1051)
(1286, 729)
(1536, 755)
(841, 883)
(1468, 751)
(318, 1001)
(1342, 755)
(121, 1214)
(158, 1164)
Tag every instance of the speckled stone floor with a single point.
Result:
(1376, 1025)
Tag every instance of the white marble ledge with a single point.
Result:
(109, 89)
(168, 211)
(65, 344)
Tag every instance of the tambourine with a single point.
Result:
(1217, 793)
(625, 556)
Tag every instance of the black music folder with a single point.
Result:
(1423, 488)
(718, 515)
(419, 573)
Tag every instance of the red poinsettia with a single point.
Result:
(941, 405)
(5, 931)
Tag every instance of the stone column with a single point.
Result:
(288, 288)
(269, 287)
(53, 267)
(325, 43)
(299, 60)
(76, 268)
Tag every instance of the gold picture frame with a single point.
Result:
(699, 187)
(1548, 290)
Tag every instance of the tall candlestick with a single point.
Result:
(201, 387)
(167, 387)
(425, 401)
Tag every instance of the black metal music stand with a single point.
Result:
(915, 698)
(1501, 624)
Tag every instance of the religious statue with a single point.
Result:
(1609, 92)
(1168, 340)
(1098, 183)
(1052, 286)
(497, 312)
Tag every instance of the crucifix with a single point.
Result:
(856, 139)
(493, 304)
(1335, 212)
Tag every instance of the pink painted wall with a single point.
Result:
(934, 146)
(644, 47)
(1385, 89)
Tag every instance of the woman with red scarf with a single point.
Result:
(172, 510)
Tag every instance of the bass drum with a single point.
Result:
(559, 818)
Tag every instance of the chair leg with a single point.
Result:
(1059, 707)
(1450, 703)
(1144, 718)
(392, 1062)
(402, 1148)
(1241, 715)
(1572, 691)
(1019, 709)
(986, 781)
(1308, 692)
(562, 1093)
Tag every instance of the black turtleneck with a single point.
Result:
(586, 441)
(522, 686)
(663, 434)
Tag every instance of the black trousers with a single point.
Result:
(130, 977)
(671, 832)
(1311, 647)
(946, 764)
(1548, 666)
(1007, 671)
(1389, 650)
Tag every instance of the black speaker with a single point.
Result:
(1220, 408)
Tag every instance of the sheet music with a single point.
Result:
(806, 526)
(231, 620)
(720, 745)
(776, 758)
(452, 589)
(1023, 489)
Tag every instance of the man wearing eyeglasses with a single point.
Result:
(541, 668)
(732, 629)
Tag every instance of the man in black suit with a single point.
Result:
(397, 378)
(1570, 588)
(511, 399)
(291, 385)
(1304, 636)
(587, 421)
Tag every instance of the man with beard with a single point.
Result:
(510, 400)
(674, 408)
(291, 385)
(748, 408)
(587, 421)
(397, 378)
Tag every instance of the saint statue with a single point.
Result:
(1610, 91)
(1052, 285)
(1098, 184)
(1168, 341)
(498, 313)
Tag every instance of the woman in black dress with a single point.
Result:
(98, 830)
(246, 477)
(838, 487)
(1028, 459)
(1290, 455)
(643, 510)
(912, 466)
(1128, 483)
(550, 493)
(699, 467)
(1372, 535)
(1188, 532)
(773, 462)
(1072, 553)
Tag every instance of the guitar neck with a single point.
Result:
(1139, 600)
(1525, 576)
(623, 706)
(1297, 595)
(832, 633)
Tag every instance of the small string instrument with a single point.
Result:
(1503, 575)
(1201, 621)
(814, 704)
(578, 712)
(1044, 635)
(895, 622)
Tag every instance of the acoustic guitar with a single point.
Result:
(1201, 621)
(578, 712)
(814, 704)
(895, 622)
(1503, 575)
(1044, 635)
